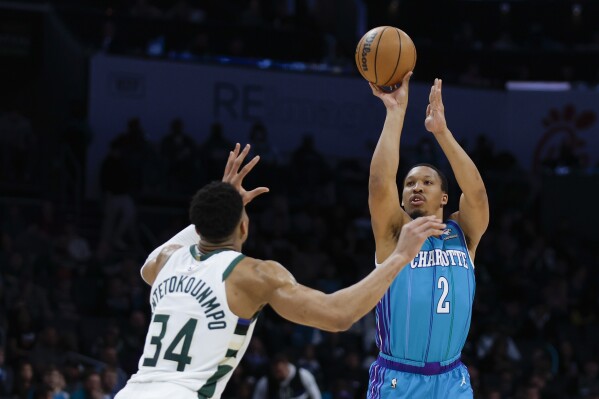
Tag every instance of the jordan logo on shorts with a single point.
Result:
(394, 383)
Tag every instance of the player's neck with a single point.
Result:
(207, 247)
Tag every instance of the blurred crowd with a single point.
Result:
(74, 310)
(480, 44)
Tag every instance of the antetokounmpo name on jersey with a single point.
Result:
(439, 257)
(198, 289)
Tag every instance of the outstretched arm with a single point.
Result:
(232, 174)
(386, 214)
(473, 214)
(339, 310)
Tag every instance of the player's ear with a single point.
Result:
(444, 200)
(244, 227)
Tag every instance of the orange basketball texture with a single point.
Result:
(384, 55)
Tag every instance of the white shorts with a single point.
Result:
(155, 390)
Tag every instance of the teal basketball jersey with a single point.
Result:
(425, 315)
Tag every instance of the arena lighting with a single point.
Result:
(537, 86)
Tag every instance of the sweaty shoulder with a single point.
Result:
(251, 283)
(150, 270)
(258, 276)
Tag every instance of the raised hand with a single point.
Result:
(235, 177)
(414, 234)
(396, 98)
(435, 112)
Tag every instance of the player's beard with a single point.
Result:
(416, 213)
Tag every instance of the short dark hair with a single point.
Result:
(444, 183)
(215, 211)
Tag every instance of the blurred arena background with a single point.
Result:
(112, 113)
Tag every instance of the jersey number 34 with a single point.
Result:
(185, 333)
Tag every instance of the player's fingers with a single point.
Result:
(433, 232)
(437, 96)
(430, 229)
(256, 192)
(229, 165)
(375, 89)
(249, 166)
(406, 78)
(236, 149)
(241, 157)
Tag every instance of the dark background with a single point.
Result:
(74, 309)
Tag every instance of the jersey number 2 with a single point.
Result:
(443, 305)
(185, 333)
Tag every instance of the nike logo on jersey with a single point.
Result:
(447, 235)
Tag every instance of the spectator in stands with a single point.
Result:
(54, 379)
(134, 337)
(309, 361)
(47, 350)
(178, 149)
(144, 9)
(286, 381)
(76, 137)
(213, 150)
(240, 386)
(183, 10)
(253, 16)
(7, 376)
(92, 388)
(116, 378)
(427, 152)
(588, 382)
(22, 335)
(110, 381)
(256, 360)
(75, 246)
(258, 138)
(109, 41)
(483, 153)
(120, 210)
(17, 146)
(310, 173)
(199, 45)
(24, 386)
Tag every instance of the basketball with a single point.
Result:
(384, 55)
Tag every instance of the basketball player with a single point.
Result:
(205, 297)
(423, 319)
